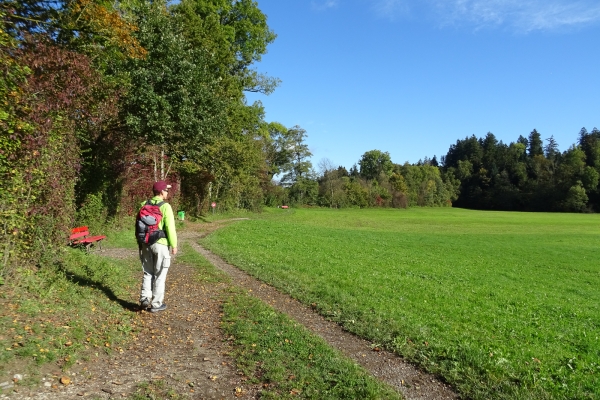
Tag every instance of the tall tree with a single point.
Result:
(467, 149)
(173, 103)
(298, 162)
(277, 155)
(535, 144)
(234, 33)
(551, 149)
(491, 149)
(590, 144)
(375, 162)
(552, 153)
(583, 134)
(328, 177)
(96, 28)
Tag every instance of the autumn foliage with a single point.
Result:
(100, 99)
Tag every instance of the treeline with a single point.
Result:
(375, 182)
(100, 99)
(526, 175)
(482, 173)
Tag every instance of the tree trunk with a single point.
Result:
(162, 163)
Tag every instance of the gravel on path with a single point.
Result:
(182, 347)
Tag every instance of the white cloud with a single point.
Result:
(324, 4)
(390, 8)
(521, 15)
(518, 15)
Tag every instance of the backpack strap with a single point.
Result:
(149, 203)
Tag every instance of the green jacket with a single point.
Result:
(167, 223)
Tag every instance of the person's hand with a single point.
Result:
(174, 250)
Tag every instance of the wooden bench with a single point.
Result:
(80, 237)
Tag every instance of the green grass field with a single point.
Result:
(502, 305)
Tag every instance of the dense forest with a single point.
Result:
(100, 99)
(527, 175)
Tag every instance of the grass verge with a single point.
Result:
(281, 355)
(157, 389)
(289, 361)
(206, 272)
(73, 309)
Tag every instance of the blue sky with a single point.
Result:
(412, 77)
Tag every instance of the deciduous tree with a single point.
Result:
(375, 162)
(298, 163)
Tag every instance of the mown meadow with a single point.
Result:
(501, 305)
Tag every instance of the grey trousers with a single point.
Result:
(155, 263)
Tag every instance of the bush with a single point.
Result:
(92, 213)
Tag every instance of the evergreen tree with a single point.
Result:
(583, 134)
(551, 149)
(535, 144)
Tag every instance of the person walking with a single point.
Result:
(155, 257)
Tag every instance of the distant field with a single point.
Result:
(502, 305)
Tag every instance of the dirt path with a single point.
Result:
(388, 367)
(181, 348)
(184, 349)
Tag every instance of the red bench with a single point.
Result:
(80, 237)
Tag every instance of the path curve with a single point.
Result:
(413, 383)
(184, 345)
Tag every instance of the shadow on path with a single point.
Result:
(110, 294)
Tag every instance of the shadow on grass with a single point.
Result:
(86, 281)
(203, 218)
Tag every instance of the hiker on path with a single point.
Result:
(155, 256)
